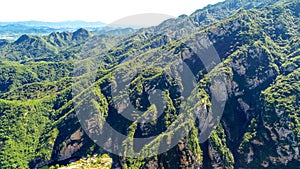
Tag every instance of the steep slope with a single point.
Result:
(259, 50)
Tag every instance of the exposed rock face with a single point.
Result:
(68, 150)
(179, 157)
(70, 146)
(274, 129)
(256, 83)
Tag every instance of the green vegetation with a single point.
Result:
(258, 44)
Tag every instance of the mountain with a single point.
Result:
(12, 30)
(236, 105)
(115, 31)
(58, 25)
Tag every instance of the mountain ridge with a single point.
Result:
(259, 52)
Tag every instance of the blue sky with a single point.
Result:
(93, 10)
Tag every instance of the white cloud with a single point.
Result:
(93, 10)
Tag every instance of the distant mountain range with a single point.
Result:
(13, 30)
(58, 25)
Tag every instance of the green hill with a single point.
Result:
(44, 83)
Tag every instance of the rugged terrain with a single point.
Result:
(257, 43)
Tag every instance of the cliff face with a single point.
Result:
(254, 81)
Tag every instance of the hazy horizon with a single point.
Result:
(93, 11)
(53, 21)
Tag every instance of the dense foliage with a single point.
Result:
(258, 43)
